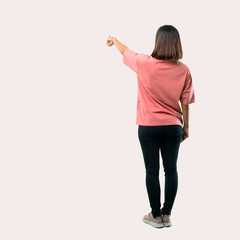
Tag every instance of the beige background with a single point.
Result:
(71, 163)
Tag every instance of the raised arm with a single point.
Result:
(121, 47)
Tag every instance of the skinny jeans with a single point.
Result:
(167, 139)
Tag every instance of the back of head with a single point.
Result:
(167, 44)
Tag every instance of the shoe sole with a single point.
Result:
(156, 225)
(167, 224)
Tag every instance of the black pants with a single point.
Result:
(167, 138)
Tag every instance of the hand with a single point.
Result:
(110, 41)
(185, 133)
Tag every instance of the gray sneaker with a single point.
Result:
(166, 220)
(154, 222)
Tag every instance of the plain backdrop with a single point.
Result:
(71, 165)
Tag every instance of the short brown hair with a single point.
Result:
(167, 44)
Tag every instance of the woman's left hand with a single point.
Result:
(110, 41)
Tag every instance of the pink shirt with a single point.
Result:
(161, 85)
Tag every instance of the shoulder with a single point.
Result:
(184, 67)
